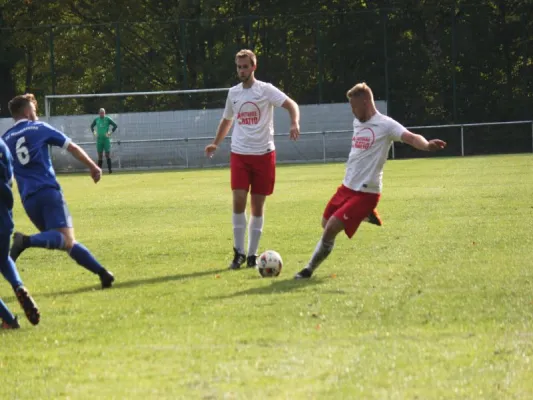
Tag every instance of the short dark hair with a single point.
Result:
(247, 53)
(17, 104)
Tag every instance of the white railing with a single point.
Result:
(313, 146)
(462, 127)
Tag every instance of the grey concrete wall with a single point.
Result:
(157, 139)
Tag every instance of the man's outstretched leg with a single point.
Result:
(323, 248)
(63, 239)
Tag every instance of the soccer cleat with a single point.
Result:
(13, 325)
(107, 279)
(19, 245)
(238, 260)
(304, 274)
(28, 305)
(251, 261)
(374, 218)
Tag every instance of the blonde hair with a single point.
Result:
(247, 53)
(359, 90)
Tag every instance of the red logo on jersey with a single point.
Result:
(248, 114)
(363, 139)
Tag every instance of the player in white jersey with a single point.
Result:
(373, 134)
(253, 157)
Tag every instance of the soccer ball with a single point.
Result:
(270, 264)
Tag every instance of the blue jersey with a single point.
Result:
(6, 195)
(28, 141)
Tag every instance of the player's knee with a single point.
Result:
(239, 201)
(68, 240)
(332, 228)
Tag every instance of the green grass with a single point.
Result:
(438, 303)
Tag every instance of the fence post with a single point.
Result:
(462, 140)
(393, 155)
(119, 160)
(187, 152)
(52, 61)
(324, 146)
(532, 136)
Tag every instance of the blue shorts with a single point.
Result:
(47, 210)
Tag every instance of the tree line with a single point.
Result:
(434, 62)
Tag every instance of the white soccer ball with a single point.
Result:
(269, 264)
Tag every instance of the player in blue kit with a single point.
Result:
(7, 266)
(41, 195)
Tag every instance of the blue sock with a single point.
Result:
(48, 240)
(5, 314)
(83, 257)
(9, 270)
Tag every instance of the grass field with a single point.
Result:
(438, 303)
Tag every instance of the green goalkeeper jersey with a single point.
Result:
(102, 126)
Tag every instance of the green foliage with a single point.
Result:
(434, 63)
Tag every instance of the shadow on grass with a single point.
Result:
(136, 282)
(276, 286)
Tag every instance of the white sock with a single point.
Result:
(255, 229)
(321, 252)
(239, 230)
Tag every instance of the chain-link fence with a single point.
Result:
(312, 147)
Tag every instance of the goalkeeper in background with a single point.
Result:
(103, 141)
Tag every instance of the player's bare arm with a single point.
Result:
(294, 111)
(222, 131)
(419, 142)
(81, 155)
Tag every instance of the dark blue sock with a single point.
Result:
(48, 240)
(83, 257)
(9, 270)
(5, 314)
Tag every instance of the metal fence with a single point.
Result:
(312, 147)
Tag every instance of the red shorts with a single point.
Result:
(257, 171)
(351, 207)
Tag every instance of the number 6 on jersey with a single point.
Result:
(23, 154)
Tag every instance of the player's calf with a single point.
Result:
(51, 240)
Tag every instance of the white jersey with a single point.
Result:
(371, 142)
(253, 109)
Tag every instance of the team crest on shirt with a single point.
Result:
(248, 114)
(363, 139)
